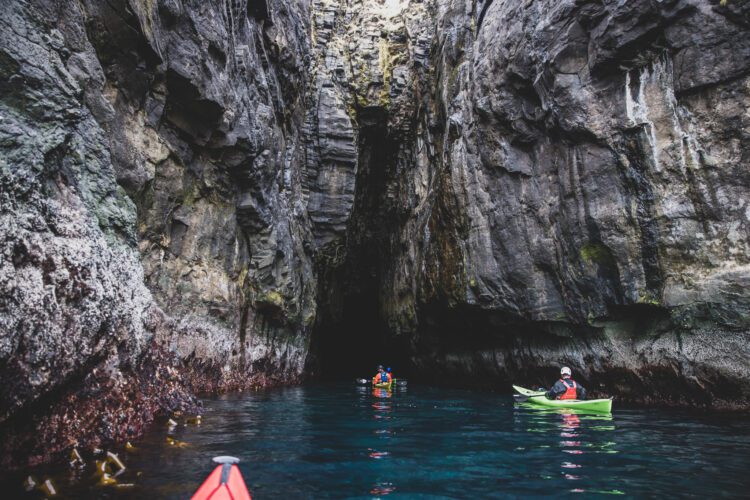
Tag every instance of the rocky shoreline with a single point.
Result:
(225, 195)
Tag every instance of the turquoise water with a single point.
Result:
(342, 441)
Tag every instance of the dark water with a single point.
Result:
(341, 441)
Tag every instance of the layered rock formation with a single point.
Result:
(215, 195)
(597, 152)
(152, 238)
(562, 185)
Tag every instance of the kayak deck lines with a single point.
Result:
(225, 482)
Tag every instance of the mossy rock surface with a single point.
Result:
(596, 253)
(271, 298)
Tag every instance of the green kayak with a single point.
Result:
(383, 385)
(538, 398)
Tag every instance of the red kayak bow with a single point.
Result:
(224, 483)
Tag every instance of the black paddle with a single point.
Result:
(401, 382)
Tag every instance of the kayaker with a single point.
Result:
(566, 387)
(382, 377)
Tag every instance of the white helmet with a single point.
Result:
(565, 371)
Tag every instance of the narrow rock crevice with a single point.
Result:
(352, 335)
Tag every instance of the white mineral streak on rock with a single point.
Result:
(655, 107)
(389, 8)
(638, 110)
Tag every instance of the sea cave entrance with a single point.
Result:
(351, 336)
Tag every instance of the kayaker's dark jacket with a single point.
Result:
(560, 388)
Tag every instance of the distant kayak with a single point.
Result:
(225, 482)
(401, 382)
(539, 399)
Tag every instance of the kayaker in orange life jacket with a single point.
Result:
(383, 377)
(566, 387)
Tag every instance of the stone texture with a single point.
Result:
(226, 193)
(589, 208)
(563, 183)
(151, 166)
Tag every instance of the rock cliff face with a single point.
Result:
(594, 160)
(557, 183)
(153, 224)
(216, 195)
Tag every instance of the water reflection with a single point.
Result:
(382, 489)
(381, 393)
(569, 428)
(330, 441)
(382, 411)
(578, 435)
(575, 428)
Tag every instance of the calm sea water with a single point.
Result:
(342, 441)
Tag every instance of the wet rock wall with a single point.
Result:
(561, 183)
(217, 195)
(587, 205)
(153, 237)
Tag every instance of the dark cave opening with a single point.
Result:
(351, 336)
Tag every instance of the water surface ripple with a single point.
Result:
(342, 441)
